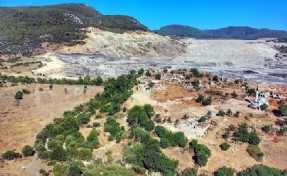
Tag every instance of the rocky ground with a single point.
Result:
(255, 61)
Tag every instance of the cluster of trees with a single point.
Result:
(282, 49)
(81, 81)
(147, 153)
(225, 171)
(116, 92)
(116, 131)
(201, 152)
(169, 138)
(208, 115)
(204, 101)
(27, 150)
(64, 140)
(228, 112)
(242, 134)
(262, 170)
(141, 116)
(64, 132)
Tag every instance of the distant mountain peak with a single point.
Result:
(230, 32)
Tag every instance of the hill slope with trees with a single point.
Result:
(22, 29)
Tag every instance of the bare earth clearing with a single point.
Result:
(109, 55)
(20, 124)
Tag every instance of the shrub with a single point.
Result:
(164, 143)
(59, 154)
(234, 94)
(264, 107)
(201, 152)
(242, 134)
(113, 127)
(93, 140)
(202, 119)
(96, 124)
(225, 171)
(261, 170)
(220, 113)
(224, 146)
(158, 76)
(10, 155)
(283, 109)
(200, 98)
(168, 138)
(139, 170)
(85, 154)
(229, 112)
(237, 114)
(254, 138)
(84, 118)
(189, 172)
(28, 151)
(25, 91)
(255, 152)
(266, 128)
(282, 131)
(206, 102)
(19, 95)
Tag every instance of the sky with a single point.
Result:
(203, 14)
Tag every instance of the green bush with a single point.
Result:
(59, 154)
(242, 134)
(85, 154)
(28, 151)
(283, 109)
(96, 124)
(264, 107)
(255, 152)
(266, 128)
(25, 91)
(93, 140)
(225, 171)
(140, 115)
(19, 95)
(84, 118)
(261, 170)
(206, 101)
(220, 113)
(189, 172)
(201, 152)
(168, 138)
(10, 155)
(113, 127)
(224, 146)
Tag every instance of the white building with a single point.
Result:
(260, 99)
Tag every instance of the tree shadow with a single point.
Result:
(276, 112)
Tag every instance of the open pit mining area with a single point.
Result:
(251, 60)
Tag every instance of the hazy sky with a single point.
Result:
(203, 14)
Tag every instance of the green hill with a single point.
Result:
(22, 29)
(233, 32)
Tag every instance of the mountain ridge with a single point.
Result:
(230, 32)
(23, 29)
